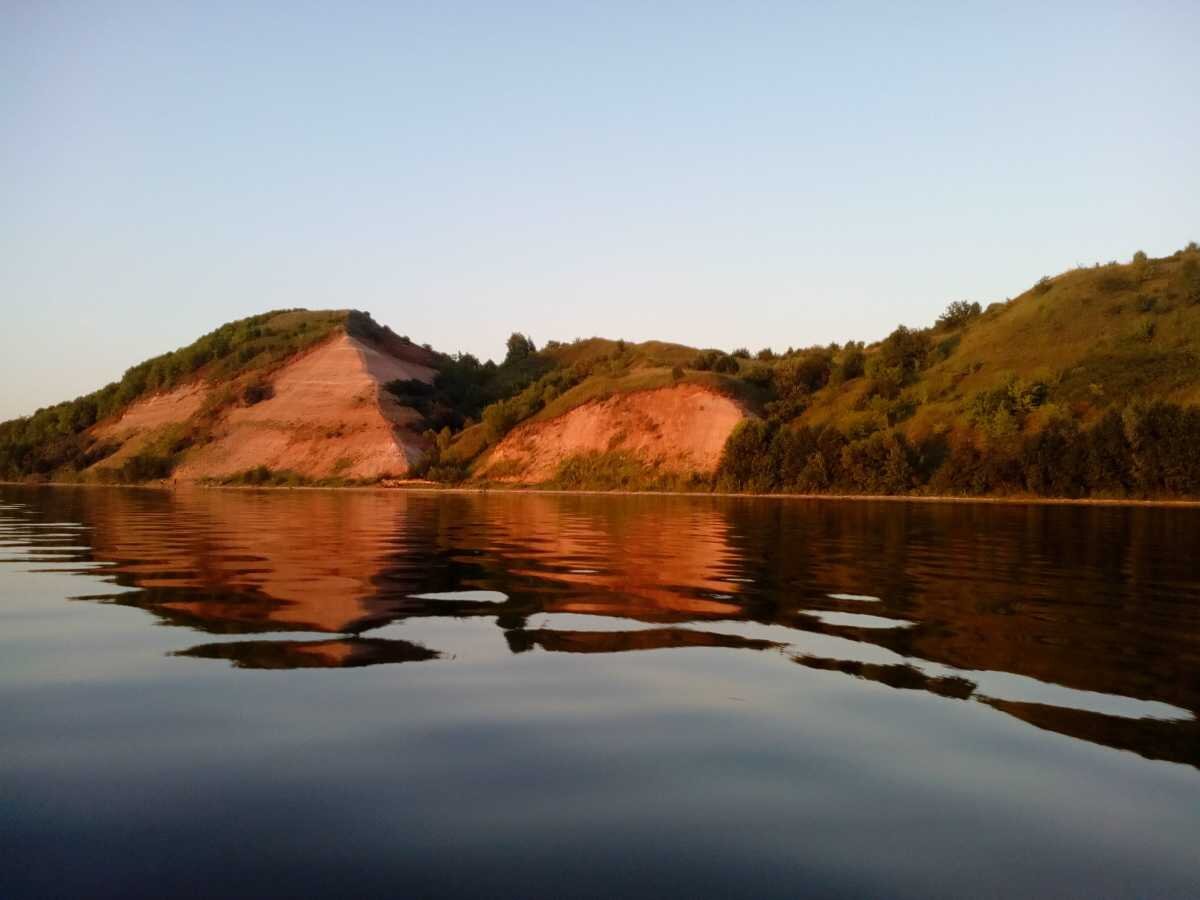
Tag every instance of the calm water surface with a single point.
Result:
(225, 693)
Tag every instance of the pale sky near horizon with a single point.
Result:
(719, 174)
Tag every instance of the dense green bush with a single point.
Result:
(747, 462)
(878, 464)
(804, 374)
(145, 466)
(1189, 279)
(958, 314)
(972, 471)
(502, 416)
(727, 365)
(852, 363)
(519, 348)
(466, 390)
(1054, 461)
(1002, 410)
(768, 456)
(715, 361)
(1146, 450)
(905, 350)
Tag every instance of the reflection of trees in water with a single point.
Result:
(1172, 740)
(1097, 599)
(894, 675)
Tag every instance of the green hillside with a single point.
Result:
(1086, 384)
(1090, 338)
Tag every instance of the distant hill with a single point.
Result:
(1087, 384)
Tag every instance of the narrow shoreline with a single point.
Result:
(431, 488)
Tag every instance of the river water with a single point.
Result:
(270, 693)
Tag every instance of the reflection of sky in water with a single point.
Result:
(467, 596)
(855, 620)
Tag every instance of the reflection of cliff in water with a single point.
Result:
(237, 561)
(1101, 600)
(346, 653)
(228, 561)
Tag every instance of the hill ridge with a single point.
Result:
(1086, 384)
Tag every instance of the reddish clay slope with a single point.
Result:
(328, 415)
(148, 418)
(679, 429)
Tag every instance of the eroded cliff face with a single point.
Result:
(325, 413)
(148, 420)
(679, 430)
(328, 415)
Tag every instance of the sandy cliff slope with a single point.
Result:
(136, 428)
(327, 414)
(678, 429)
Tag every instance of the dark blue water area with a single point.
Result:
(310, 693)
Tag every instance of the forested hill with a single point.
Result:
(1087, 384)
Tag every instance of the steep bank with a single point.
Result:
(672, 430)
(327, 414)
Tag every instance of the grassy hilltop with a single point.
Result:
(1087, 384)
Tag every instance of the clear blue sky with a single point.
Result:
(718, 174)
